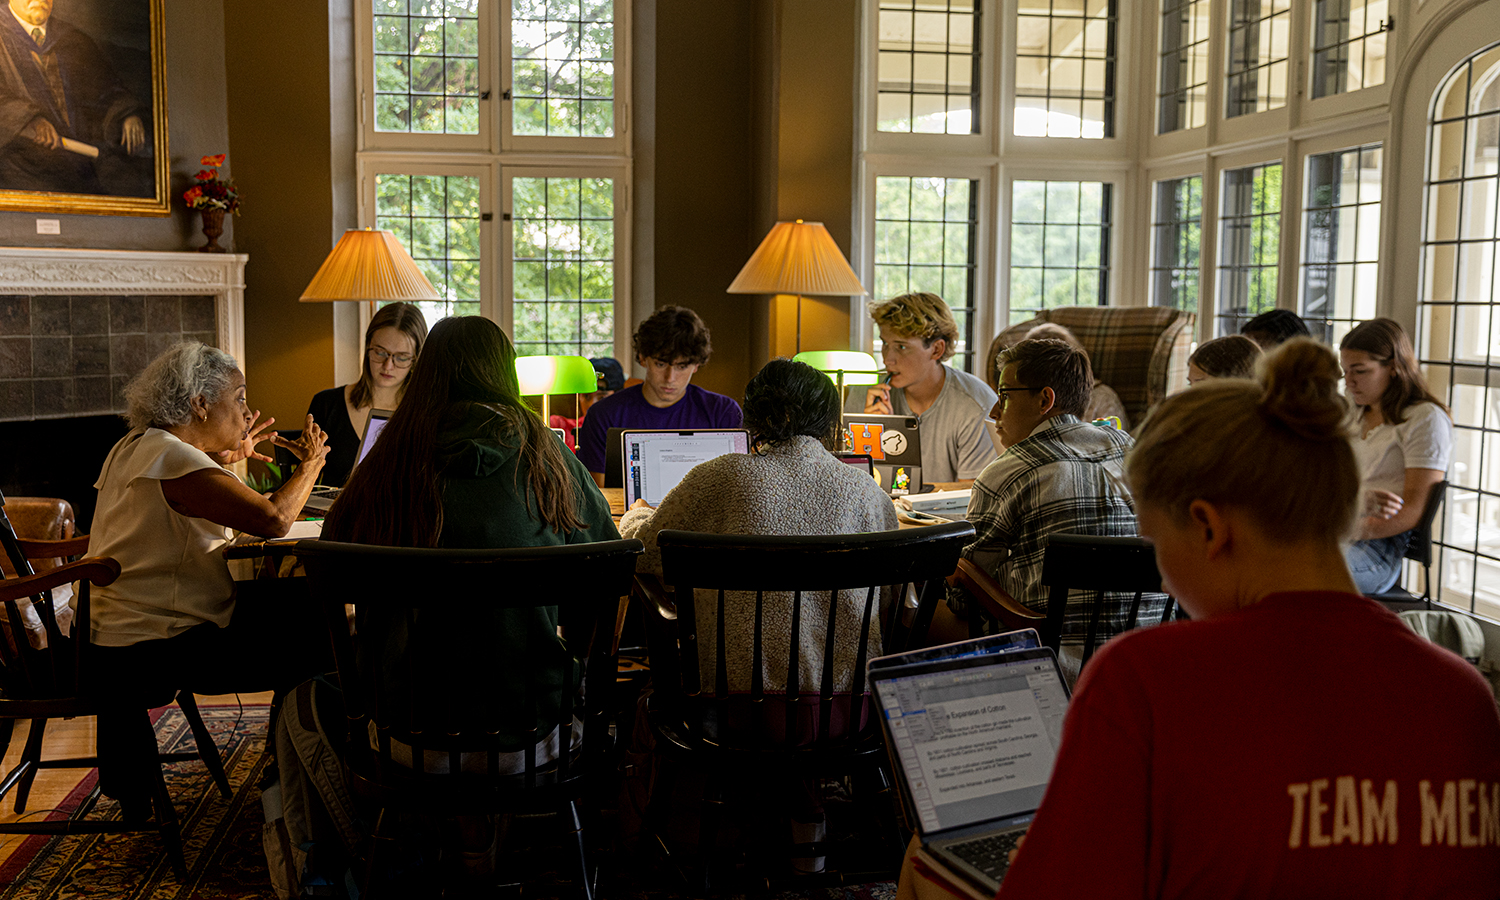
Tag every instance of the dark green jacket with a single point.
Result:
(484, 651)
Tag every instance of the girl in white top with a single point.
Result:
(1403, 441)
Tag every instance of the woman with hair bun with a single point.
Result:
(1403, 439)
(790, 484)
(1285, 742)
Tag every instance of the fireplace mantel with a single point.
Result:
(42, 271)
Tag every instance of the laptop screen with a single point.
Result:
(378, 418)
(655, 461)
(975, 738)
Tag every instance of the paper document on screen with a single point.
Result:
(979, 746)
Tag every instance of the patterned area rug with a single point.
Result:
(221, 840)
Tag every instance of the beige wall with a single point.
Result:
(754, 122)
(279, 125)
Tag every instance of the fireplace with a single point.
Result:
(75, 327)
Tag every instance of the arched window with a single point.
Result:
(1459, 322)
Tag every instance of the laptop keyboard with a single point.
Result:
(325, 493)
(990, 855)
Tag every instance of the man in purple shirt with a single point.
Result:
(670, 346)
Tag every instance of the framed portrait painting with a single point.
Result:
(83, 107)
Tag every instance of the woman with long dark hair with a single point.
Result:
(464, 463)
(1403, 439)
(468, 464)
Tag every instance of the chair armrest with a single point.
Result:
(74, 546)
(97, 569)
(992, 597)
(657, 598)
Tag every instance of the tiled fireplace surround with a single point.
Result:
(75, 326)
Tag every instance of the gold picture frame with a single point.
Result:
(94, 66)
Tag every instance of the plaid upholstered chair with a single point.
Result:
(1140, 351)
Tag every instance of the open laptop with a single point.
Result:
(989, 645)
(654, 461)
(972, 742)
(893, 445)
(322, 499)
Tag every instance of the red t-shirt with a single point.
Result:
(1307, 746)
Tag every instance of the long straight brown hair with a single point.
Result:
(395, 496)
(1386, 341)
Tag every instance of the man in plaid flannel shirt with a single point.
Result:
(1058, 475)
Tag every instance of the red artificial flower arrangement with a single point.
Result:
(211, 192)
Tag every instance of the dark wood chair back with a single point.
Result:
(1419, 548)
(1102, 566)
(426, 624)
(857, 564)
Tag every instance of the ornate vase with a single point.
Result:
(213, 226)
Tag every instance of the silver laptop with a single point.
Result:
(972, 742)
(894, 446)
(322, 499)
(653, 462)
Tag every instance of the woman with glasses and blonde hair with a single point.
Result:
(1403, 439)
(392, 343)
(1295, 739)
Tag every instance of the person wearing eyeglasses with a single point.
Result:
(1058, 475)
(392, 343)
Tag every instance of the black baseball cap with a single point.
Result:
(607, 370)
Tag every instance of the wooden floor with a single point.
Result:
(69, 737)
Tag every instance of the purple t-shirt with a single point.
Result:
(628, 409)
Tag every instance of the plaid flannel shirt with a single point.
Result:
(1066, 478)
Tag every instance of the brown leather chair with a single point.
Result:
(38, 519)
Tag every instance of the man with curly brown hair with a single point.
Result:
(670, 346)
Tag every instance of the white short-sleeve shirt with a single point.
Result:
(172, 572)
(1423, 441)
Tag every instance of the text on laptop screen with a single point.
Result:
(372, 431)
(656, 461)
(976, 743)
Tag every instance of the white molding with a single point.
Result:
(39, 271)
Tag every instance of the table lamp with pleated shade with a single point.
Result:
(798, 258)
(367, 264)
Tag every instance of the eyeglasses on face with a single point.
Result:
(378, 356)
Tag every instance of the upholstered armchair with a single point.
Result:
(1140, 351)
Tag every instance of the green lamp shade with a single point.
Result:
(858, 368)
(556, 375)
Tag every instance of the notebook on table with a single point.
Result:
(322, 498)
(894, 446)
(972, 741)
(652, 462)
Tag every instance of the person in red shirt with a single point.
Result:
(1294, 739)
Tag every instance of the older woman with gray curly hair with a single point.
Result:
(167, 506)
